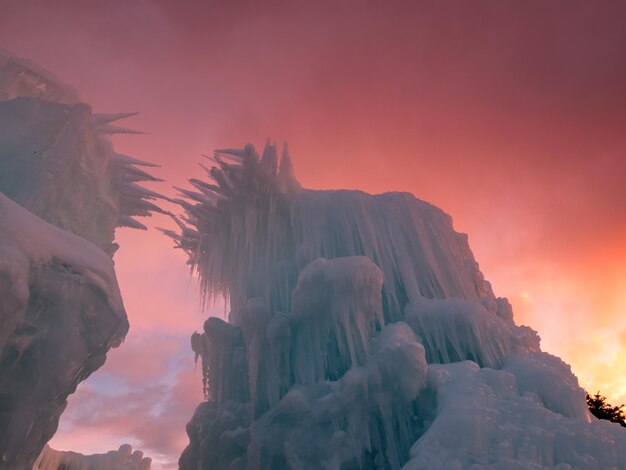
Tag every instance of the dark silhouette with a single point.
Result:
(603, 410)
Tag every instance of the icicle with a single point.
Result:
(133, 189)
(225, 362)
(100, 119)
(120, 158)
(126, 221)
(171, 234)
(110, 130)
(286, 177)
(234, 154)
(202, 186)
(254, 320)
(222, 179)
(134, 206)
(269, 160)
(131, 174)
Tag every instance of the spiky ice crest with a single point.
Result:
(235, 210)
(252, 229)
(133, 200)
(81, 151)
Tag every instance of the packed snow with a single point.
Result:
(362, 334)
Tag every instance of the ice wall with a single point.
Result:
(121, 459)
(362, 335)
(63, 191)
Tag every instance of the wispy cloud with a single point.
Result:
(144, 396)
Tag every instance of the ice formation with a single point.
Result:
(362, 334)
(63, 191)
(57, 160)
(121, 459)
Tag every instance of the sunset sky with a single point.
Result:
(510, 116)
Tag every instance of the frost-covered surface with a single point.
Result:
(121, 459)
(63, 191)
(362, 335)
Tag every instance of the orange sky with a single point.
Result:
(508, 115)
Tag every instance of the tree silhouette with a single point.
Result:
(601, 409)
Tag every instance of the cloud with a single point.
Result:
(143, 396)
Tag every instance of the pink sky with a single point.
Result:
(508, 115)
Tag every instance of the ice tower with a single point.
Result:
(362, 335)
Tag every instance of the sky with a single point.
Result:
(510, 116)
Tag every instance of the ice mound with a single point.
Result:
(122, 459)
(485, 420)
(551, 381)
(362, 335)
